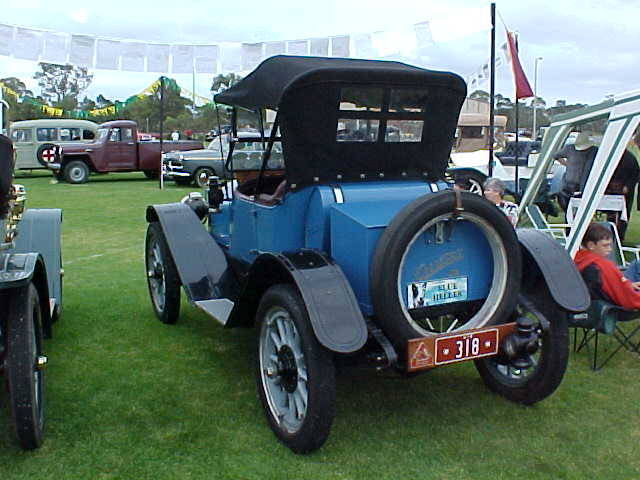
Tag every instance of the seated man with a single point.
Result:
(603, 278)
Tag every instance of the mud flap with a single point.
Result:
(554, 263)
(201, 263)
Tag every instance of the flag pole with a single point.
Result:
(161, 128)
(517, 186)
(492, 89)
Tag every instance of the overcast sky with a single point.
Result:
(590, 48)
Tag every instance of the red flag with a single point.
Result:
(523, 89)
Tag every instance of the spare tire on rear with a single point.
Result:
(48, 153)
(408, 233)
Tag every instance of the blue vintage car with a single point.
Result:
(357, 251)
(30, 298)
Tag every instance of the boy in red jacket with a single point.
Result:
(603, 278)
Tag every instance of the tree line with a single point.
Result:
(62, 86)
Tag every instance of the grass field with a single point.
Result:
(131, 398)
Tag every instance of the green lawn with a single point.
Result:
(131, 398)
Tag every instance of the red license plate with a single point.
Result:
(457, 348)
(429, 352)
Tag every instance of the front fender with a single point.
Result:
(543, 255)
(18, 270)
(333, 310)
(39, 231)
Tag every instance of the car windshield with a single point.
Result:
(102, 134)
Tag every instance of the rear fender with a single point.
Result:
(333, 310)
(544, 256)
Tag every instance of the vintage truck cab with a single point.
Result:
(116, 149)
(357, 250)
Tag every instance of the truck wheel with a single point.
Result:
(48, 153)
(403, 238)
(162, 276)
(537, 382)
(24, 365)
(152, 174)
(202, 176)
(294, 373)
(76, 171)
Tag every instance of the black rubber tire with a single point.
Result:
(76, 172)
(321, 385)
(151, 174)
(387, 257)
(166, 303)
(545, 377)
(41, 149)
(183, 181)
(472, 181)
(25, 381)
(199, 176)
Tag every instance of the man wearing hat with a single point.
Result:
(578, 158)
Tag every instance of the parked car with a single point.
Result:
(116, 149)
(358, 252)
(29, 136)
(30, 299)
(196, 166)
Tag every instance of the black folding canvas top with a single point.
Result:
(355, 120)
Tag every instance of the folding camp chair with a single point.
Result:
(556, 230)
(607, 318)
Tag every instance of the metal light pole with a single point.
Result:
(535, 97)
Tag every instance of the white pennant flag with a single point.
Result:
(231, 57)
(107, 54)
(81, 53)
(55, 48)
(274, 48)
(206, 58)
(6, 39)
(297, 47)
(158, 58)
(363, 46)
(251, 55)
(27, 44)
(340, 46)
(182, 56)
(133, 55)
(319, 47)
(424, 38)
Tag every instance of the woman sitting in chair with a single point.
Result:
(603, 278)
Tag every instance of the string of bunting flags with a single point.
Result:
(137, 56)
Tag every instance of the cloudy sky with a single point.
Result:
(589, 48)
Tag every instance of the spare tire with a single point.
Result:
(48, 153)
(474, 245)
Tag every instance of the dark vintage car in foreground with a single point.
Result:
(357, 252)
(116, 149)
(30, 299)
(194, 167)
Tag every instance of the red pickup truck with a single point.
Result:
(116, 149)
